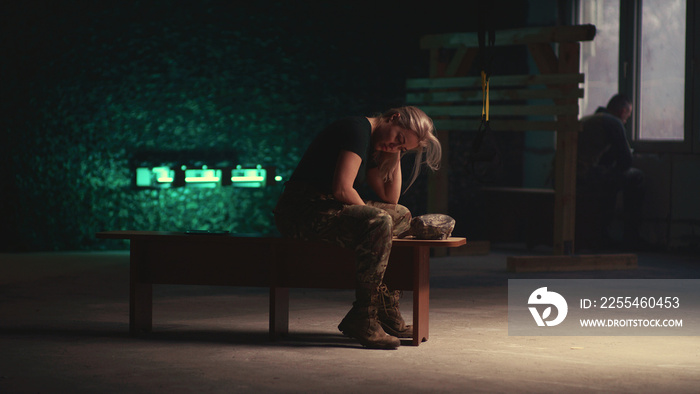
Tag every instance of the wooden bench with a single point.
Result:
(278, 263)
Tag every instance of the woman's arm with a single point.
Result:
(389, 191)
(345, 173)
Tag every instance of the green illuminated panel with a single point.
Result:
(202, 177)
(164, 176)
(154, 177)
(248, 177)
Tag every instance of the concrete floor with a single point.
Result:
(64, 323)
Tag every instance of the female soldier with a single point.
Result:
(320, 202)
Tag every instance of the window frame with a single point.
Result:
(629, 77)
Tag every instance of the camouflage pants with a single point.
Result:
(367, 229)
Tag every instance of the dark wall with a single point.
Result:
(87, 86)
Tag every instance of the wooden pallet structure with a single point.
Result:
(454, 101)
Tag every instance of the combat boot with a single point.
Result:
(361, 322)
(389, 315)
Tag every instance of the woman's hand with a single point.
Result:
(387, 191)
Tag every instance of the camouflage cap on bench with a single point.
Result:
(430, 226)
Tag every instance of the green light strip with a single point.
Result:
(192, 179)
(247, 178)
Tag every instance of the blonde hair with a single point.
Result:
(429, 151)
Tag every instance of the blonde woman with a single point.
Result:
(320, 202)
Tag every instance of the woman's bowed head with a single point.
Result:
(393, 133)
(401, 130)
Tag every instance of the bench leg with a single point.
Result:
(421, 294)
(140, 294)
(140, 308)
(279, 312)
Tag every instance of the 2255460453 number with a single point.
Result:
(639, 302)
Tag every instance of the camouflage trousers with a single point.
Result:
(304, 214)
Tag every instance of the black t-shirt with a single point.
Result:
(317, 166)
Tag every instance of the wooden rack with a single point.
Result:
(454, 102)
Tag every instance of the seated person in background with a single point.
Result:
(604, 166)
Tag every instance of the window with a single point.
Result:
(599, 58)
(661, 71)
(641, 50)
